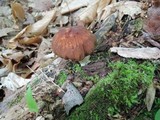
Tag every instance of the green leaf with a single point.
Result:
(31, 103)
(157, 116)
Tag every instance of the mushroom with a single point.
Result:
(73, 43)
(152, 25)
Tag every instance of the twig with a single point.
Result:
(46, 78)
(151, 41)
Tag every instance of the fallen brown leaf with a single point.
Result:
(29, 41)
(31, 33)
(17, 11)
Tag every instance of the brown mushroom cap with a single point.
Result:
(73, 43)
(155, 3)
(152, 24)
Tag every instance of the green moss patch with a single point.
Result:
(117, 92)
(61, 78)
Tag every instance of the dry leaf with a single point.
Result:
(30, 34)
(130, 8)
(30, 41)
(94, 9)
(17, 11)
(12, 45)
(62, 20)
(13, 81)
(31, 70)
(150, 96)
(42, 5)
(4, 72)
(13, 55)
(43, 49)
(139, 53)
(72, 5)
(5, 31)
(106, 25)
(40, 26)
(101, 5)
(71, 98)
(7, 69)
(5, 10)
(89, 14)
(29, 19)
(5, 23)
(22, 32)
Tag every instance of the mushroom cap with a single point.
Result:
(152, 24)
(155, 3)
(73, 43)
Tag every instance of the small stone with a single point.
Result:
(49, 116)
(40, 118)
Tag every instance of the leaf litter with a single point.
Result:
(26, 33)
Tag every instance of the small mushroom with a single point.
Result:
(73, 43)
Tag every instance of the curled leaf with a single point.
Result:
(150, 96)
(29, 41)
(31, 33)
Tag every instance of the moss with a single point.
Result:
(78, 70)
(100, 56)
(61, 78)
(116, 93)
(137, 26)
(149, 115)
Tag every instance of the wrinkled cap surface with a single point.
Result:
(73, 43)
(152, 24)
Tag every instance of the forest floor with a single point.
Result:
(120, 80)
